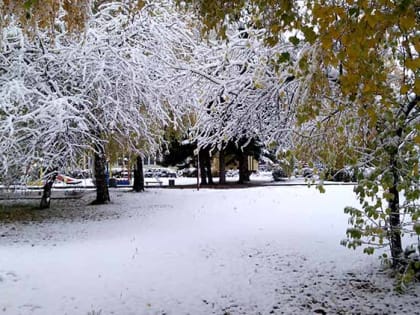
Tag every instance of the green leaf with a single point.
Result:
(369, 250)
(284, 57)
(416, 228)
(303, 64)
(354, 233)
(294, 40)
(272, 40)
(321, 188)
(28, 4)
(354, 11)
(309, 33)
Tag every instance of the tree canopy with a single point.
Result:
(359, 104)
(64, 96)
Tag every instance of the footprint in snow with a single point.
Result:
(9, 275)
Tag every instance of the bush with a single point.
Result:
(343, 175)
(279, 174)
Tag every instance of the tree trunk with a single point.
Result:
(102, 192)
(203, 167)
(138, 184)
(222, 167)
(394, 219)
(243, 168)
(46, 194)
(208, 167)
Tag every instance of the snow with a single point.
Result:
(265, 250)
(61, 98)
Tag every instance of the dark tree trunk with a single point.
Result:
(394, 219)
(102, 192)
(203, 175)
(243, 168)
(208, 167)
(46, 194)
(222, 167)
(138, 185)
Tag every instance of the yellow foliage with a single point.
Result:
(417, 86)
(413, 64)
(404, 89)
(408, 21)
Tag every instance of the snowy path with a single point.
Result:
(269, 250)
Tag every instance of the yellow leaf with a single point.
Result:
(371, 112)
(407, 22)
(417, 86)
(258, 85)
(404, 89)
(334, 32)
(140, 4)
(275, 28)
(417, 45)
(413, 64)
(326, 42)
(371, 20)
(369, 87)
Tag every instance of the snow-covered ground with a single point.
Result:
(266, 250)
